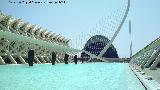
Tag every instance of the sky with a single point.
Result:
(75, 19)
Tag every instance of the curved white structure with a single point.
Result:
(17, 37)
(114, 36)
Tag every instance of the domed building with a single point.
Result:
(96, 43)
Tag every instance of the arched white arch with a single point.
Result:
(112, 39)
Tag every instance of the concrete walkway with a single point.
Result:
(154, 73)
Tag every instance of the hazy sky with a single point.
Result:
(73, 17)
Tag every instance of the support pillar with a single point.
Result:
(58, 60)
(75, 59)
(2, 62)
(12, 59)
(66, 58)
(30, 57)
(43, 61)
(21, 59)
(146, 59)
(47, 59)
(53, 58)
(36, 59)
(155, 63)
(153, 56)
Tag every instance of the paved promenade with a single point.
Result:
(154, 73)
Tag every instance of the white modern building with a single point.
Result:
(18, 37)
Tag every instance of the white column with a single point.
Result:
(155, 63)
(153, 56)
(146, 58)
(47, 59)
(12, 59)
(43, 61)
(2, 61)
(21, 59)
(57, 60)
(36, 59)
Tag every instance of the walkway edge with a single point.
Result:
(147, 81)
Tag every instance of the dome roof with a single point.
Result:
(96, 43)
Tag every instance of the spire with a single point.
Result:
(130, 38)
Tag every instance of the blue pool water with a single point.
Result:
(88, 76)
